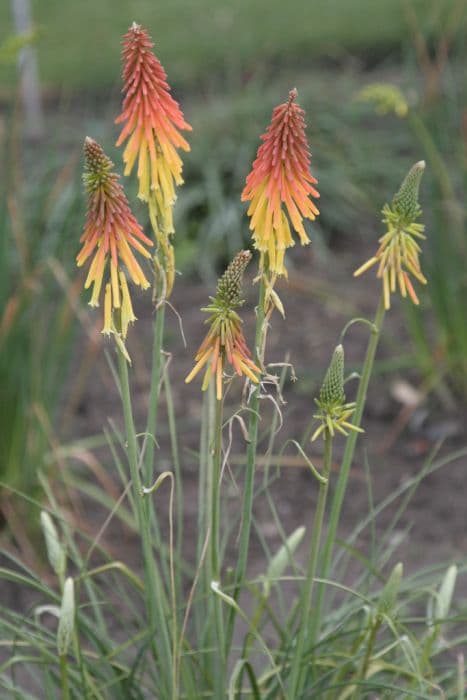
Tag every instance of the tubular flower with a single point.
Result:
(334, 413)
(152, 124)
(225, 339)
(111, 234)
(398, 252)
(280, 186)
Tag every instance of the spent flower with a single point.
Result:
(225, 340)
(398, 253)
(334, 413)
(111, 235)
(152, 121)
(280, 186)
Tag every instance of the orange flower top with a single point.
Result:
(152, 123)
(111, 232)
(281, 176)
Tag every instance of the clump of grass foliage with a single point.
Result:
(33, 285)
(198, 624)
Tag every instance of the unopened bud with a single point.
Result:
(55, 550)
(98, 166)
(405, 202)
(66, 623)
(332, 390)
(229, 287)
(388, 597)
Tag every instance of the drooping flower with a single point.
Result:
(398, 252)
(152, 124)
(280, 186)
(225, 340)
(334, 413)
(111, 235)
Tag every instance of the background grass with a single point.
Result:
(79, 41)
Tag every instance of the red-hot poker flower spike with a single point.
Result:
(399, 250)
(225, 341)
(280, 182)
(111, 234)
(152, 124)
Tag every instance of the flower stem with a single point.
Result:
(347, 459)
(366, 659)
(156, 373)
(296, 675)
(215, 546)
(64, 677)
(250, 468)
(155, 595)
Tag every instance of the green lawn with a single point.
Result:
(79, 39)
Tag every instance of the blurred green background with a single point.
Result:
(229, 64)
(200, 38)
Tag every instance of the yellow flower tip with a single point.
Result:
(107, 330)
(365, 266)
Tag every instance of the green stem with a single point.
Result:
(151, 426)
(156, 372)
(347, 459)
(64, 677)
(155, 595)
(250, 469)
(366, 659)
(177, 472)
(296, 675)
(215, 547)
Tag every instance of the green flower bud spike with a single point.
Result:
(56, 553)
(229, 287)
(388, 598)
(332, 391)
(405, 201)
(334, 413)
(66, 622)
(399, 250)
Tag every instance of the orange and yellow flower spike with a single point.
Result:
(225, 341)
(398, 254)
(152, 125)
(280, 186)
(111, 235)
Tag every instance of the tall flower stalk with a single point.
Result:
(224, 344)
(334, 417)
(280, 189)
(112, 233)
(153, 122)
(399, 217)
